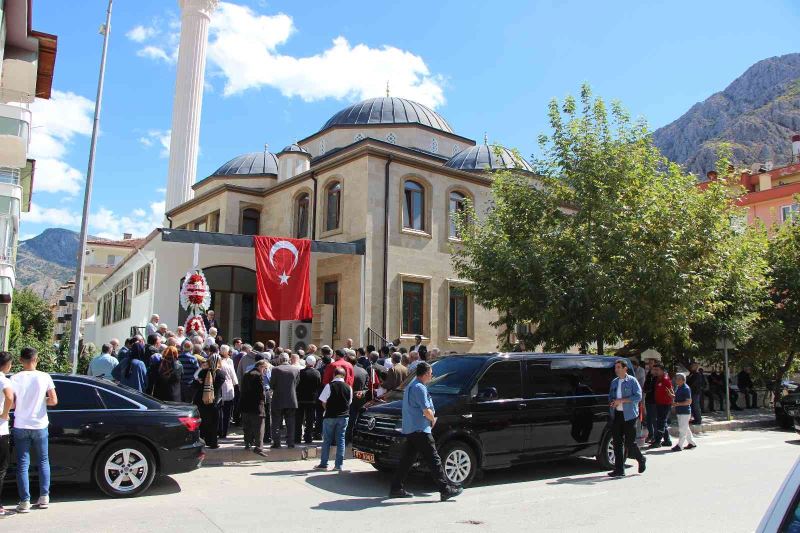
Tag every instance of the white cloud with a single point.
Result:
(156, 52)
(140, 34)
(51, 216)
(55, 124)
(157, 137)
(243, 50)
(109, 225)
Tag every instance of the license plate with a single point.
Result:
(364, 456)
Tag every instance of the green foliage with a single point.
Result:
(33, 313)
(49, 358)
(614, 244)
(14, 329)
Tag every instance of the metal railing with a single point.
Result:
(375, 339)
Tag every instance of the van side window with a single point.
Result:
(504, 377)
(546, 381)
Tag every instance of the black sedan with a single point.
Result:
(117, 437)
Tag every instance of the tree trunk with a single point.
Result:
(600, 347)
(776, 385)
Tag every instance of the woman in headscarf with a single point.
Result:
(131, 371)
(165, 382)
(208, 398)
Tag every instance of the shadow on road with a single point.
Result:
(71, 492)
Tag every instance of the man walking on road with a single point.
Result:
(624, 396)
(418, 421)
(34, 392)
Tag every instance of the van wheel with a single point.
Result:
(605, 452)
(459, 462)
(124, 468)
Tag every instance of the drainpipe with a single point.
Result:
(314, 221)
(386, 248)
(169, 219)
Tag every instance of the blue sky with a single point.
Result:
(278, 70)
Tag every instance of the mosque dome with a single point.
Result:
(388, 110)
(486, 157)
(294, 148)
(252, 164)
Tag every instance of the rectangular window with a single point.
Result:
(112, 260)
(122, 299)
(107, 303)
(330, 296)
(790, 212)
(413, 307)
(459, 313)
(143, 279)
(213, 222)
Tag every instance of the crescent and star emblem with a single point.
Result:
(283, 245)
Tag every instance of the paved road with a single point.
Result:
(723, 485)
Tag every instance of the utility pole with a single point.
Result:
(74, 337)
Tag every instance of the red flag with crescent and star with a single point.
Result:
(282, 278)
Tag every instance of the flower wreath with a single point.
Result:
(195, 294)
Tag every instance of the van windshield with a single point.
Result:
(451, 375)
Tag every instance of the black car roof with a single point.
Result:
(538, 355)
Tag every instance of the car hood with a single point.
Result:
(442, 403)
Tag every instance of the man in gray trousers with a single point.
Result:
(283, 383)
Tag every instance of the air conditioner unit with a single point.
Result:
(295, 334)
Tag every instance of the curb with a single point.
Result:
(728, 425)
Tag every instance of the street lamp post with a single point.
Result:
(76, 315)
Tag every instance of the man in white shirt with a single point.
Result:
(152, 327)
(6, 402)
(34, 392)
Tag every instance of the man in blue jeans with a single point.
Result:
(336, 398)
(34, 392)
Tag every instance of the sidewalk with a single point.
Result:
(231, 450)
(716, 421)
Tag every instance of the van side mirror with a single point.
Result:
(487, 394)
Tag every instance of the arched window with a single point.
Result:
(301, 216)
(251, 220)
(333, 206)
(457, 204)
(414, 206)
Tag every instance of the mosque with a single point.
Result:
(374, 188)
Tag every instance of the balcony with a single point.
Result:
(10, 176)
(15, 124)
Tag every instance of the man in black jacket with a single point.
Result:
(360, 387)
(746, 387)
(697, 384)
(307, 391)
(251, 404)
(336, 398)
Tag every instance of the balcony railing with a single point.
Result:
(10, 175)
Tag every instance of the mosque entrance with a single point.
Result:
(233, 299)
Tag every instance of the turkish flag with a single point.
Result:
(282, 278)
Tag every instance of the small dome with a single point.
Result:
(388, 110)
(483, 157)
(294, 148)
(252, 164)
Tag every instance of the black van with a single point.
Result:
(500, 410)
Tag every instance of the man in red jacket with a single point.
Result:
(664, 394)
(339, 361)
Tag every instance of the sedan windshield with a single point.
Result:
(451, 375)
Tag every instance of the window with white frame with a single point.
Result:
(790, 213)
(143, 279)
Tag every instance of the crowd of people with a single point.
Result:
(263, 387)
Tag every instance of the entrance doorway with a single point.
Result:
(233, 299)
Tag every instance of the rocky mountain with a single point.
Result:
(757, 114)
(47, 261)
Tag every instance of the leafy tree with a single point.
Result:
(33, 313)
(776, 342)
(616, 244)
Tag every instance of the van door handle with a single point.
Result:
(522, 405)
(468, 415)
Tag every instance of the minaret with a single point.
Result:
(189, 80)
